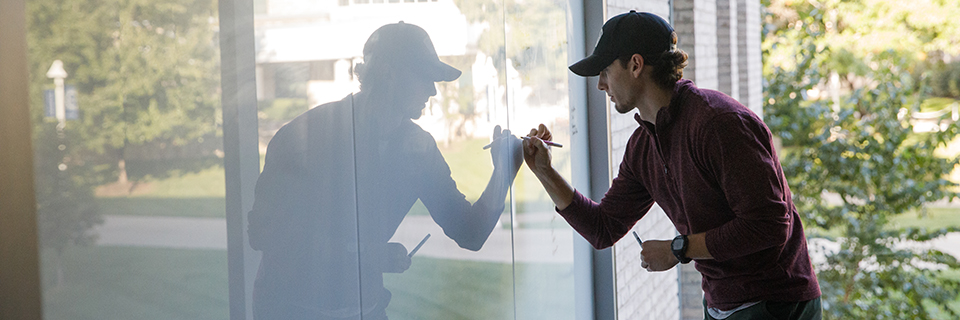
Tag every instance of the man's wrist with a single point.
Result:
(547, 175)
(556, 187)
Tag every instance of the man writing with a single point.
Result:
(709, 162)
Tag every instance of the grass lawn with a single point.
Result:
(181, 188)
(935, 218)
(450, 289)
(104, 283)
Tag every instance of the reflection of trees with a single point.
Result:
(839, 86)
(146, 72)
(536, 51)
(146, 76)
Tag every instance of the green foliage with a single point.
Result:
(282, 109)
(851, 157)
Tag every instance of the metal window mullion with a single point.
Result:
(240, 145)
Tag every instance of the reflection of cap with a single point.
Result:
(407, 45)
(632, 32)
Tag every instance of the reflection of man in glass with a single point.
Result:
(339, 179)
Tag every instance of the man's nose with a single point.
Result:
(601, 84)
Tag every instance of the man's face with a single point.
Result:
(614, 80)
(411, 93)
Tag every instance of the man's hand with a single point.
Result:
(538, 158)
(395, 258)
(535, 152)
(656, 255)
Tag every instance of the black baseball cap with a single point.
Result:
(632, 32)
(407, 46)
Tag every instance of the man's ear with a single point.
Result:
(637, 65)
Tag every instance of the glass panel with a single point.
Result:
(377, 196)
(536, 49)
(129, 177)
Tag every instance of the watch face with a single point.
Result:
(676, 244)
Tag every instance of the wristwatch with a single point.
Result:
(679, 247)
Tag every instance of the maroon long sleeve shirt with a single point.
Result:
(709, 162)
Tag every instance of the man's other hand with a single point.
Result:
(395, 258)
(656, 255)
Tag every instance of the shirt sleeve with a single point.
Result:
(439, 193)
(738, 151)
(627, 200)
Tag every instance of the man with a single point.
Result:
(339, 179)
(709, 162)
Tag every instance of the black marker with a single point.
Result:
(635, 235)
(546, 142)
(418, 246)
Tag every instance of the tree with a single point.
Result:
(146, 72)
(842, 79)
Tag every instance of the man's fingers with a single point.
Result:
(544, 132)
(539, 144)
(533, 145)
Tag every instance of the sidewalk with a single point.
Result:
(531, 245)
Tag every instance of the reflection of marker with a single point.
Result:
(547, 142)
(418, 246)
(635, 235)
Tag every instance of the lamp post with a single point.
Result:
(57, 73)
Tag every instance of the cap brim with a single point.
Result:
(444, 72)
(592, 65)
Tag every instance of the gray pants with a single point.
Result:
(776, 310)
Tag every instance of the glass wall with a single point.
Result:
(378, 195)
(382, 111)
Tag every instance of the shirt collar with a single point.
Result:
(666, 115)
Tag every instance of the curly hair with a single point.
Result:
(667, 67)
